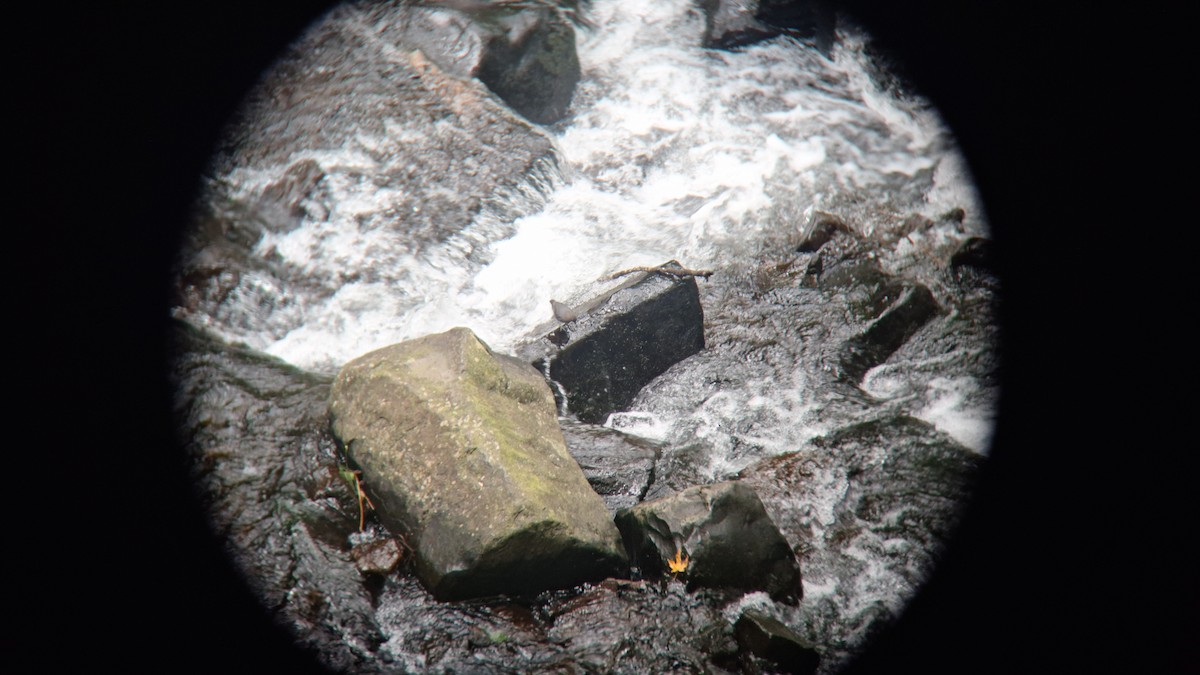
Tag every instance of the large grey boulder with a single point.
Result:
(461, 450)
(722, 535)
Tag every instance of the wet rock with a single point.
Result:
(359, 79)
(819, 230)
(884, 335)
(735, 23)
(290, 194)
(620, 341)
(256, 433)
(731, 23)
(526, 55)
(614, 626)
(809, 20)
(621, 626)
(974, 252)
(768, 638)
(619, 467)
(379, 556)
(462, 451)
(898, 480)
(722, 532)
(535, 67)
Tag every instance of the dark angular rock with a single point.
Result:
(525, 56)
(533, 67)
(819, 231)
(770, 639)
(809, 20)
(735, 23)
(622, 340)
(724, 534)
(885, 334)
(974, 252)
(619, 467)
(730, 23)
(461, 450)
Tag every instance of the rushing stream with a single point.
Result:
(715, 158)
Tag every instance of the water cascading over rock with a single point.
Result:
(462, 449)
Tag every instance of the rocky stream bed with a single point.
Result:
(848, 373)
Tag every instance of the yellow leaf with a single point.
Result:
(679, 563)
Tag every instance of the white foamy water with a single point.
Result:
(672, 152)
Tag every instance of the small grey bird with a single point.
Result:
(563, 312)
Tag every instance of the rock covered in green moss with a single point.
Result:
(461, 450)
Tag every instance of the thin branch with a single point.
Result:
(661, 269)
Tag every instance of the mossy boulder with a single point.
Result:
(461, 450)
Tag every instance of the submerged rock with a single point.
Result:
(461, 449)
(886, 334)
(719, 534)
(620, 341)
(619, 467)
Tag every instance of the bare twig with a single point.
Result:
(661, 269)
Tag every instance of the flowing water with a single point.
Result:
(670, 151)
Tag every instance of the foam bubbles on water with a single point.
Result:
(948, 408)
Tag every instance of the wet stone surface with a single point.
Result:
(462, 450)
(714, 536)
(619, 467)
(621, 340)
(265, 465)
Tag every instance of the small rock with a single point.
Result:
(770, 639)
(380, 556)
(820, 229)
(974, 252)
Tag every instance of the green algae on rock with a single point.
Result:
(462, 451)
